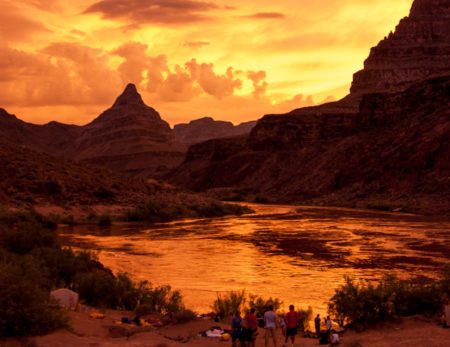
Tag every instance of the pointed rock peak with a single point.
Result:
(130, 96)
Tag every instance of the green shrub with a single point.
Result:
(218, 209)
(261, 304)
(153, 212)
(96, 289)
(32, 263)
(304, 317)
(363, 303)
(163, 300)
(21, 233)
(24, 304)
(229, 303)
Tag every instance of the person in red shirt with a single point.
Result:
(291, 320)
(252, 325)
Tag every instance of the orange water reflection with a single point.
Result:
(299, 254)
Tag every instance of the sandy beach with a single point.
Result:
(88, 332)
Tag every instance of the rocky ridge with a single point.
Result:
(207, 128)
(129, 138)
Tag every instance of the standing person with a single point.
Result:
(317, 325)
(291, 320)
(252, 326)
(236, 327)
(282, 325)
(270, 324)
(329, 324)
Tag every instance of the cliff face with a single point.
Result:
(418, 49)
(395, 150)
(387, 141)
(129, 138)
(207, 128)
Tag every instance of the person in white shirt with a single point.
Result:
(329, 324)
(270, 325)
(334, 338)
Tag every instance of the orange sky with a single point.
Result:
(233, 60)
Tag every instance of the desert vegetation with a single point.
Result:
(360, 304)
(158, 211)
(32, 263)
(228, 303)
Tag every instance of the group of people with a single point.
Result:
(245, 330)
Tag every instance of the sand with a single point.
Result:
(89, 332)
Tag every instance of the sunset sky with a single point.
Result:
(233, 60)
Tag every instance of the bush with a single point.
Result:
(229, 303)
(161, 300)
(32, 263)
(21, 233)
(154, 212)
(218, 209)
(24, 304)
(362, 303)
(261, 305)
(304, 317)
(96, 289)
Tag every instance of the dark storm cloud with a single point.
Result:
(154, 11)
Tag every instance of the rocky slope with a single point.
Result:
(385, 144)
(129, 138)
(29, 178)
(207, 128)
(66, 190)
(53, 138)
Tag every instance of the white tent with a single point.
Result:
(65, 297)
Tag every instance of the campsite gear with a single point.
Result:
(225, 337)
(97, 315)
(214, 333)
(66, 298)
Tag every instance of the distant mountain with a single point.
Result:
(385, 144)
(129, 138)
(207, 128)
(53, 138)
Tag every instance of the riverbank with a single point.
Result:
(88, 332)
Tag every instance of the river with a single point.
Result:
(297, 254)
